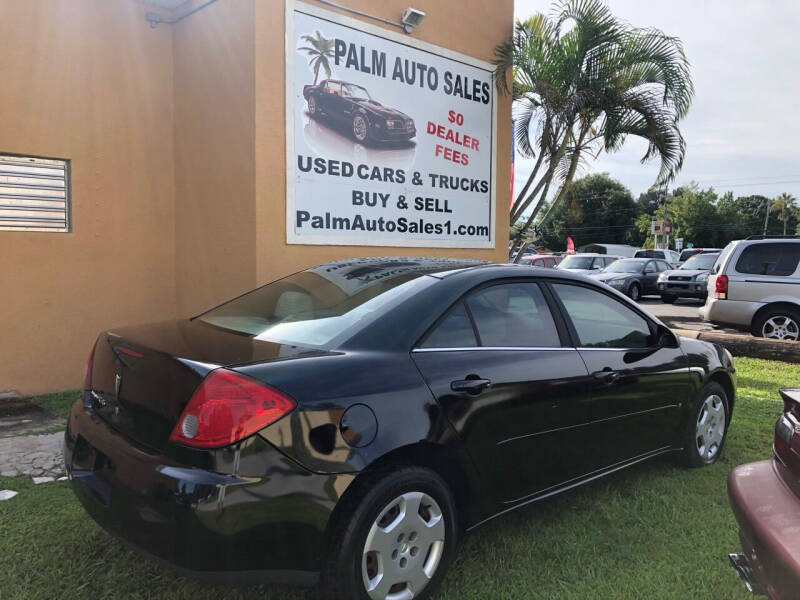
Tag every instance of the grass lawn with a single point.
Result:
(654, 531)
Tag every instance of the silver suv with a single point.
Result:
(755, 284)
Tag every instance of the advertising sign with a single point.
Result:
(390, 141)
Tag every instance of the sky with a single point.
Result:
(742, 133)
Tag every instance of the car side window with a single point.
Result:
(601, 321)
(513, 315)
(769, 259)
(454, 331)
(598, 263)
(650, 267)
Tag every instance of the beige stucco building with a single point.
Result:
(175, 139)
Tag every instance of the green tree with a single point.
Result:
(581, 90)
(693, 213)
(320, 51)
(596, 208)
(784, 208)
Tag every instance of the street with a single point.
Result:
(683, 315)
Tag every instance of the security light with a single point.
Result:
(411, 18)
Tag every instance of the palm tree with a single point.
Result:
(320, 51)
(784, 206)
(582, 90)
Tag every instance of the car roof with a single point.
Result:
(639, 259)
(379, 267)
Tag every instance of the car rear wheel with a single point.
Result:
(360, 128)
(707, 427)
(635, 292)
(778, 323)
(668, 299)
(394, 539)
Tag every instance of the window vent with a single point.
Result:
(34, 194)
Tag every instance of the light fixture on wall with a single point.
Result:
(410, 19)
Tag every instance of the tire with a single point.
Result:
(777, 323)
(360, 128)
(668, 299)
(372, 510)
(313, 109)
(635, 292)
(703, 441)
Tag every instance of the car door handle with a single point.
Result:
(472, 386)
(606, 375)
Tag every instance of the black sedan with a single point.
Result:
(351, 429)
(635, 277)
(351, 105)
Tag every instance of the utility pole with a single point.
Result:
(766, 218)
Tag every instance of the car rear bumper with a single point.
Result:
(267, 525)
(768, 513)
(729, 312)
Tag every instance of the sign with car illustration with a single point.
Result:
(390, 141)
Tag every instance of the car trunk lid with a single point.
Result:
(143, 376)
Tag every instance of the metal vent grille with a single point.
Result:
(34, 194)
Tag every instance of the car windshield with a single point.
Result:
(700, 261)
(355, 92)
(624, 266)
(576, 262)
(313, 307)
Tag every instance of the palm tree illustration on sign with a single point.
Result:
(320, 49)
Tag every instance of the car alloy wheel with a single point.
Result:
(360, 128)
(312, 106)
(634, 292)
(710, 429)
(403, 548)
(780, 327)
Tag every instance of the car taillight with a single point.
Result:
(87, 378)
(227, 407)
(721, 287)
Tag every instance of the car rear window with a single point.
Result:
(314, 307)
(775, 259)
(687, 254)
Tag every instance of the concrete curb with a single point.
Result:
(748, 345)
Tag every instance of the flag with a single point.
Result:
(570, 246)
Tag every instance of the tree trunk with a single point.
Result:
(573, 166)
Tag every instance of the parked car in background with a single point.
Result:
(351, 105)
(623, 250)
(755, 285)
(689, 280)
(765, 498)
(670, 256)
(351, 429)
(541, 260)
(586, 263)
(634, 277)
(689, 252)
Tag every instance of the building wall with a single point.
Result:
(87, 81)
(215, 229)
(176, 137)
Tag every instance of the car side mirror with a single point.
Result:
(666, 338)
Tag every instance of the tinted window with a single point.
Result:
(513, 315)
(601, 321)
(662, 266)
(550, 262)
(688, 253)
(650, 267)
(769, 259)
(722, 257)
(455, 331)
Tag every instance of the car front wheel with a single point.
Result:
(635, 292)
(394, 538)
(778, 323)
(707, 427)
(360, 128)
